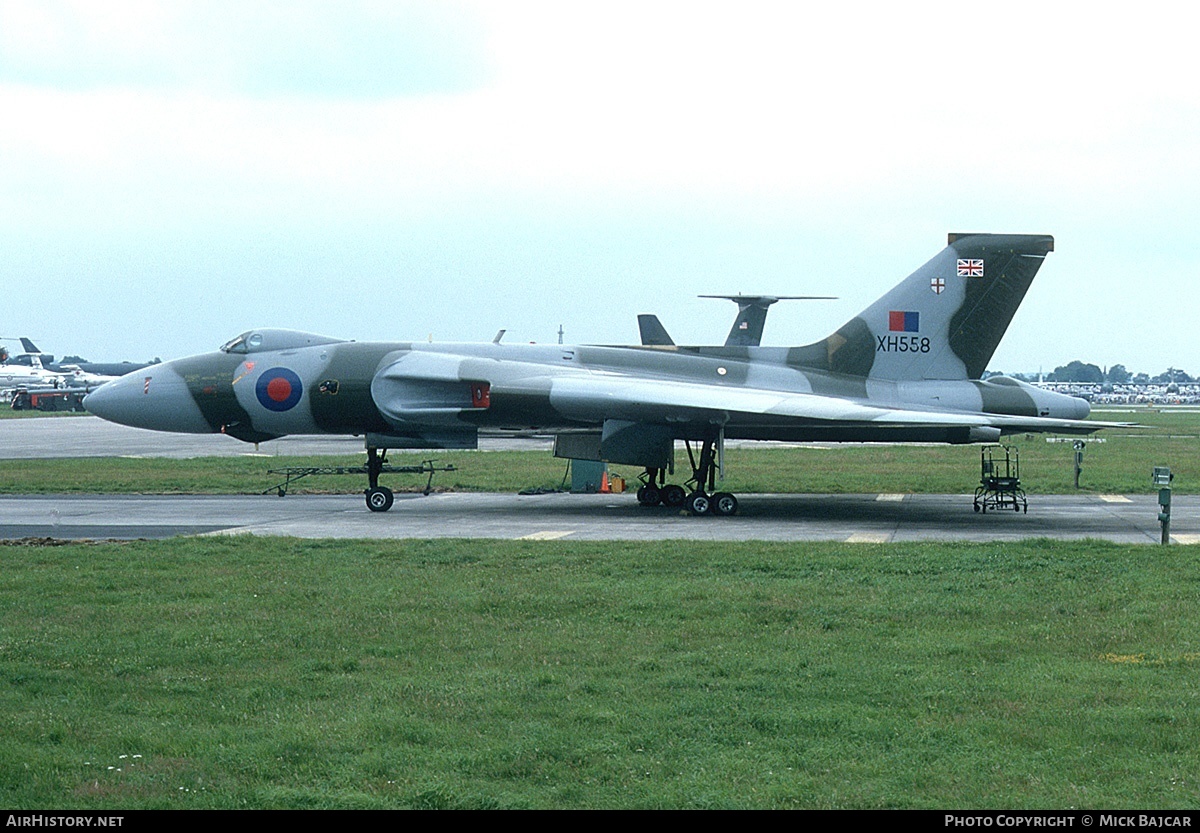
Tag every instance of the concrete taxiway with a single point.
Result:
(853, 518)
(89, 436)
(850, 518)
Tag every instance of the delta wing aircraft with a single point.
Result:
(908, 368)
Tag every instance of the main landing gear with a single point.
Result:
(655, 490)
(702, 500)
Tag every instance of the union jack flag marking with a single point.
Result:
(937, 285)
(970, 267)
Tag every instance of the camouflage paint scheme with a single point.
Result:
(907, 368)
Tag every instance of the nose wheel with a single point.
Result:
(380, 499)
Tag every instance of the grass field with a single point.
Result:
(277, 673)
(200, 673)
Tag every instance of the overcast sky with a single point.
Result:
(173, 173)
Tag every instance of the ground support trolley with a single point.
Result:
(48, 399)
(1000, 480)
(373, 469)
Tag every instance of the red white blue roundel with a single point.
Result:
(278, 389)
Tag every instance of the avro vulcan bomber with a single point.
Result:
(908, 368)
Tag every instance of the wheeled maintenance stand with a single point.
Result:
(1162, 478)
(1000, 480)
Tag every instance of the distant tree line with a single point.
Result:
(1087, 373)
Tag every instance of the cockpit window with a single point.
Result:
(255, 341)
(237, 345)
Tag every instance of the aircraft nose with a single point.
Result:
(156, 398)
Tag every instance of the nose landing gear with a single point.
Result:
(379, 498)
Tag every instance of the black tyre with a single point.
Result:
(698, 503)
(380, 499)
(674, 496)
(649, 496)
(724, 504)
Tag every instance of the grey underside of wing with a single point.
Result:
(672, 401)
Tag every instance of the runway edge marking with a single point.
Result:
(546, 535)
(869, 538)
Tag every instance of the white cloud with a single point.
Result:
(702, 139)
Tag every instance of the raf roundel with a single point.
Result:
(278, 389)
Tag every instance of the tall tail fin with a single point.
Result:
(652, 331)
(945, 320)
(747, 328)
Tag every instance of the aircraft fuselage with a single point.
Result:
(439, 395)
